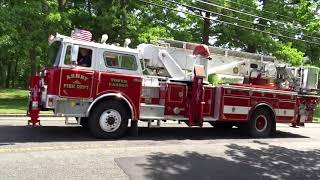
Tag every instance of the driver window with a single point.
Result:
(67, 59)
(84, 57)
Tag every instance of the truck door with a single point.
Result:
(76, 80)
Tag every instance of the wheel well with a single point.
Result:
(113, 98)
(270, 110)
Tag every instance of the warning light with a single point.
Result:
(50, 37)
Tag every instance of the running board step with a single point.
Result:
(157, 125)
(149, 111)
(67, 121)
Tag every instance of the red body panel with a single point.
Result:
(88, 84)
(76, 83)
(52, 79)
(237, 104)
(179, 95)
(129, 86)
(208, 98)
(175, 98)
(235, 99)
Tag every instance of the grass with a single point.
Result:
(13, 101)
(316, 120)
(316, 117)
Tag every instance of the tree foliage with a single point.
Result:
(25, 26)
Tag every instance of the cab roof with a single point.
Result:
(68, 39)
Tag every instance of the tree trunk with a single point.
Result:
(8, 74)
(33, 58)
(1, 74)
(89, 5)
(252, 48)
(206, 27)
(62, 5)
(123, 31)
(14, 74)
(263, 21)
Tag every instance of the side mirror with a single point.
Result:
(74, 54)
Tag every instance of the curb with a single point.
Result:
(24, 115)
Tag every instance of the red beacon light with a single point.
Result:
(202, 50)
(50, 37)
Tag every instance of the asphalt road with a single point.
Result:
(55, 151)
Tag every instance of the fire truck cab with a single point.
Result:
(106, 86)
(111, 78)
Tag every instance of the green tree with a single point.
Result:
(25, 26)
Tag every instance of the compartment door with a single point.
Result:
(208, 98)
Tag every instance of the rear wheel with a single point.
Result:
(108, 120)
(261, 123)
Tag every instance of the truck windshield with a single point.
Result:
(54, 53)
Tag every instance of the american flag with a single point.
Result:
(81, 34)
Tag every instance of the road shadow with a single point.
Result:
(23, 134)
(6, 144)
(182, 133)
(242, 162)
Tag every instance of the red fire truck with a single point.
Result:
(105, 86)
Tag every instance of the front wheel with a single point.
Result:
(260, 125)
(108, 120)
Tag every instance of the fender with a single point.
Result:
(259, 105)
(116, 95)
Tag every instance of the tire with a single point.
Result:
(108, 120)
(84, 122)
(260, 124)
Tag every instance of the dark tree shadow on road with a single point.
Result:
(23, 134)
(5, 144)
(279, 162)
(243, 162)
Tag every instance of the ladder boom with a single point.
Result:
(171, 65)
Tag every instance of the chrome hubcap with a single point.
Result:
(110, 120)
